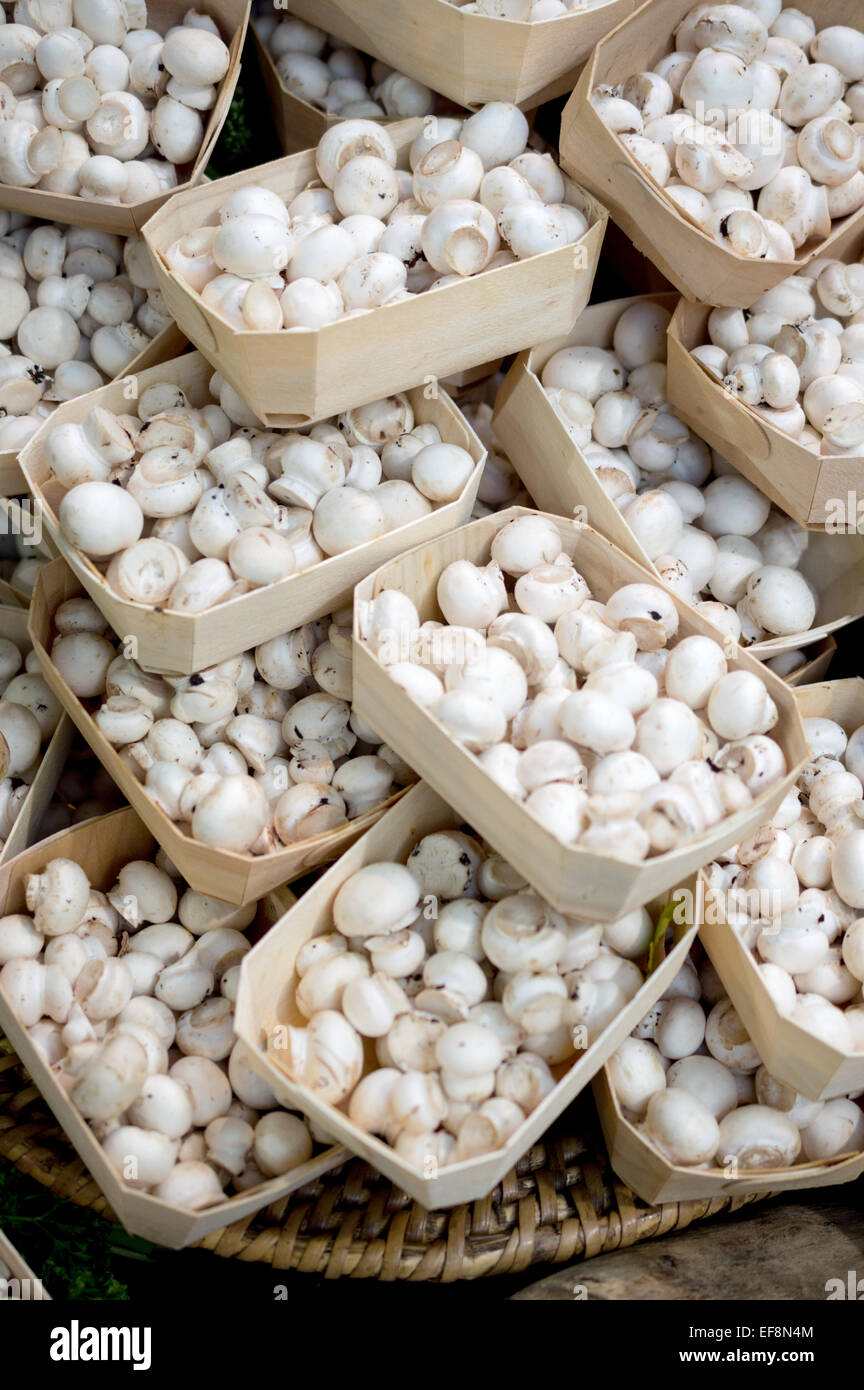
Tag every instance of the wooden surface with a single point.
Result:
(291, 377)
(575, 881)
(785, 1252)
(686, 254)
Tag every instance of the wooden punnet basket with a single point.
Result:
(291, 377)
(266, 1000)
(221, 873)
(559, 478)
(689, 257)
(469, 58)
(232, 17)
(167, 344)
(30, 1286)
(184, 643)
(815, 1068)
(102, 847)
(576, 881)
(13, 624)
(813, 489)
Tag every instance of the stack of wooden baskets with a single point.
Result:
(526, 311)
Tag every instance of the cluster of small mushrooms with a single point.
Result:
(531, 10)
(500, 485)
(330, 74)
(710, 534)
(369, 233)
(251, 755)
(796, 357)
(752, 125)
(29, 715)
(229, 506)
(95, 103)
(76, 306)
(128, 995)
(692, 1083)
(611, 734)
(794, 890)
(471, 987)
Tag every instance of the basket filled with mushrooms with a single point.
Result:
(79, 307)
(314, 80)
(433, 1014)
(781, 392)
(196, 530)
(588, 422)
(689, 1110)
(522, 51)
(726, 139)
(35, 737)
(782, 920)
(250, 772)
(595, 728)
(117, 990)
(110, 106)
(298, 279)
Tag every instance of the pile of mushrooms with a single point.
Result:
(692, 1083)
(76, 306)
(471, 987)
(228, 506)
(259, 752)
(710, 534)
(369, 234)
(129, 998)
(29, 715)
(794, 890)
(96, 103)
(500, 485)
(797, 356)
(752, 125)
(84, 790)
(531, 10)
(328, 73)
(611, 734)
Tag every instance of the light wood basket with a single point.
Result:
(655, 1178)
(299, 124)
(558, 477)
(686, 254)
(32, 1287)
(266, 1000)
(235, 878)
(471, 59)
(167, 344)
(801, 483)
(232, 17)
(576, 881)
(102, 847)
(182, 643)
(13, 624)
(291, 377)
(815, 668)
(816, 1069)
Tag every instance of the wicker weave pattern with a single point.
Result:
(562, 1202)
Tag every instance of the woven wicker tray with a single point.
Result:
(562, 1202)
